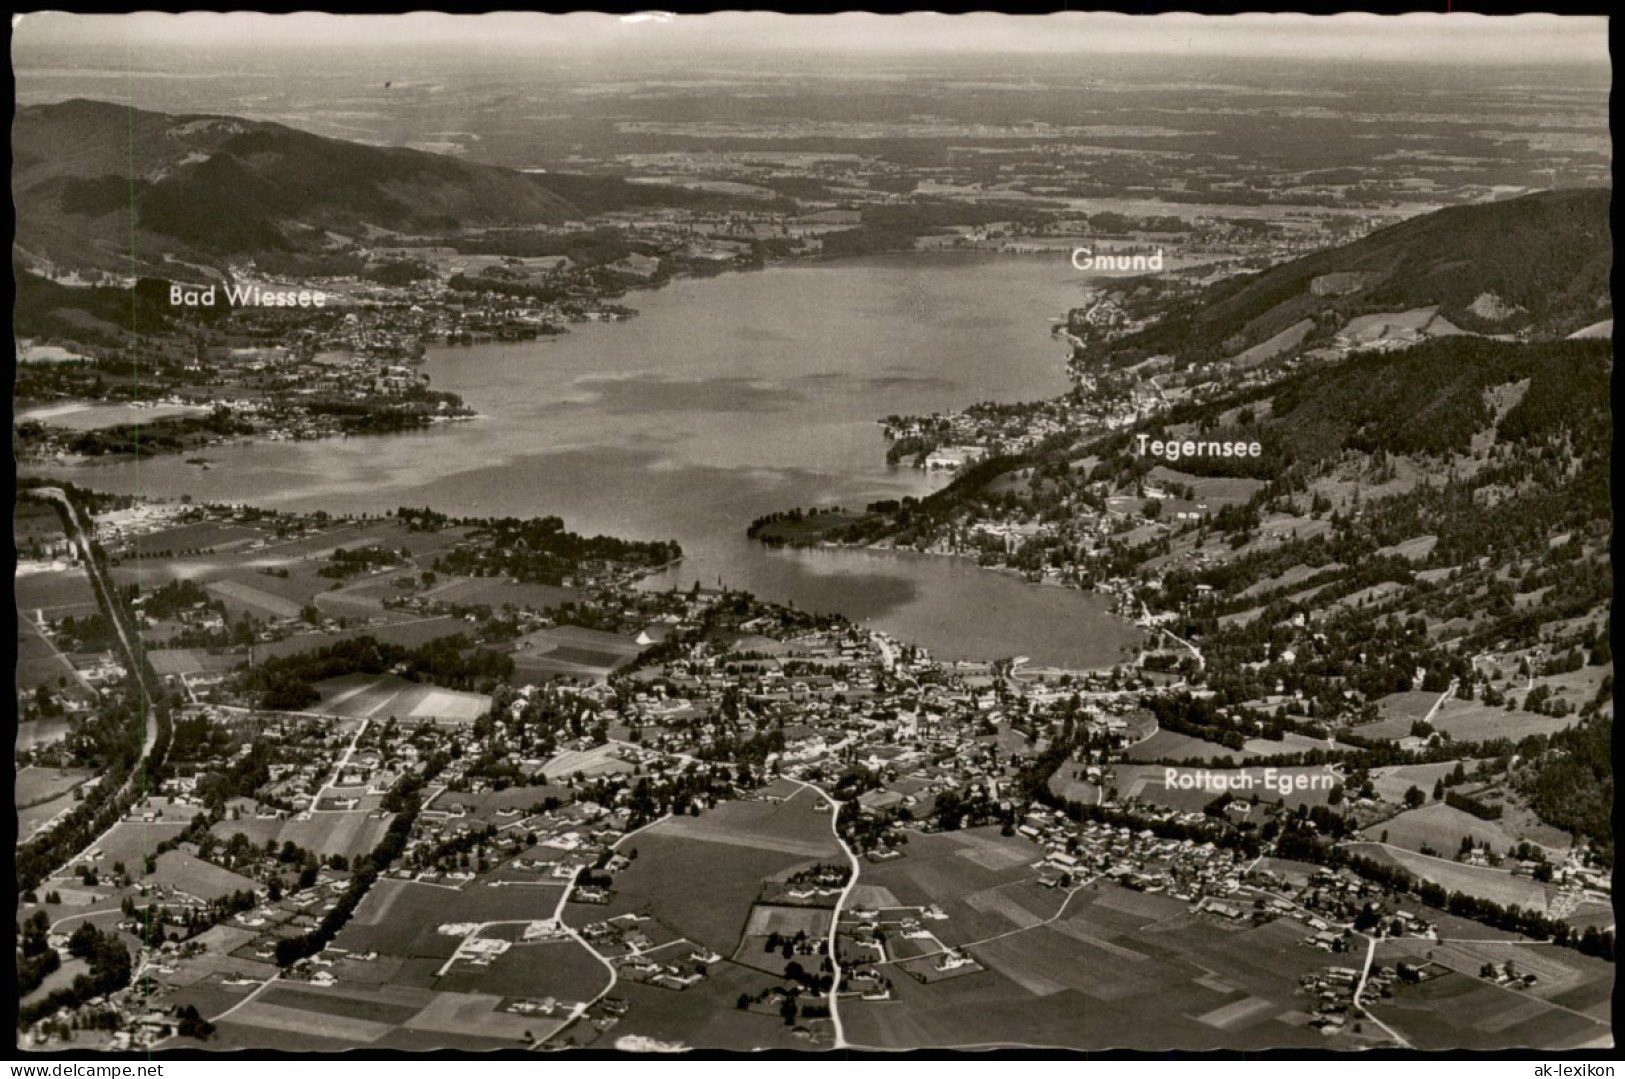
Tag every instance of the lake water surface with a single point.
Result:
(726, 398)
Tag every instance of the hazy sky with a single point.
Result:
(1456, 38)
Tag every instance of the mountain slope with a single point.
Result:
(93, 181)
(1537, 265)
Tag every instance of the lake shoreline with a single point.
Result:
(731, 396)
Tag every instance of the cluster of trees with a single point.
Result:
(35, 956)
(165, 435)
(189, 1024)
(894, 227)
(798, 527)
(583, 247)
(43, 308)
(406, 411)
(110, 967)
(540, 551)
(171, 598)
(285, 683)
(648, 797)
(423, 519)
(454, 849)
(347, 562)
(85, 633)
(1197, 717)
(1468, 804)
(1571, 784)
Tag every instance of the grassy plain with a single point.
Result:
(1442, 827)
(1496, 885)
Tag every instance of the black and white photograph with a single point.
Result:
(610, 535)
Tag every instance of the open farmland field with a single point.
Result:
(54, 593)
(571, 650)
(169, 661)
(80, 416)
(293, 581)
(983, 881)
(1415, 548)
(589, 762)
(1442, 827)
(409, 634)
(791, 826)
(1496, 885)
(208, 993)
(35, 521)
(241, 597)
(38, 661)
(402, 918)
(495, 592)
(1289, 577)
(487, 805)
(392, 533)
(1592, 913)
(1369, 329)
(34, 817)
(318, 545)
(361, 696)
(788, 921)
(363, 600)
(283, 1026)
(350, 834)
(1072, 783)
(131, 841)
(1239, 618)
(372, 1006)
(1147, 782)
(469, 1021)
(1568, 1007)
(1216, 491)
(701, 1017)
(40, 732)
(1290, 742)
(1398, 711)
(1474, 721)
(188, 874)
(1579, 686)
(258, 1032)
(1564, 976)
(1118, 969)
(1166, 745)
(560, 968)
(1392, 783)
(204, 537)
(303, 584)
(703, 883)
(37, 785)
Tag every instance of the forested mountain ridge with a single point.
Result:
(98, 184)
(1536, 266)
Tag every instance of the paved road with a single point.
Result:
(835, 917)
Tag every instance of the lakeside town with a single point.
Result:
(351, 365)
(247, 863)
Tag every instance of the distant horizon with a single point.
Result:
(1454, 40)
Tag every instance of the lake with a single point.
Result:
(725, 399)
